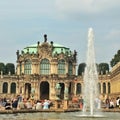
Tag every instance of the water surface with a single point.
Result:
(58, 116)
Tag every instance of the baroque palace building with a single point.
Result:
(48, 71)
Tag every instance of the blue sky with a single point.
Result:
(66, 22)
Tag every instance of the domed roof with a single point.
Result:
(57, 48)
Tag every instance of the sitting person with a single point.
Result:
(28, 104)
(15, 104)
(39, 105)
(8, 105)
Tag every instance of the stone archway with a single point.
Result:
(44, 90)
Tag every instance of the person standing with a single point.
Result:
(46, 104)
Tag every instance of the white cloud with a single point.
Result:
(86, 6)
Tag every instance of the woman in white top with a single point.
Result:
(38, 105)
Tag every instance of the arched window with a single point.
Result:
(5, 87)
(61, 67)
(108, 87)
(104, 88)
(13, 88)
(78, 90)
(44, 67)
(27, 67)
(70, 68)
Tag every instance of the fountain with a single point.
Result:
(90, 89)
(90, 95)
(90, 76)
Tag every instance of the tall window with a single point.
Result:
(5, 87)
(70, 67)
(27, 67)
(13, 88)
(104, 87)
(44, 67)
(108, 87)
(61, 67)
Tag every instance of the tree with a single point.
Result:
(10, 68)
(2, 67)
(103, 68)
(81, 68)
(116, 59)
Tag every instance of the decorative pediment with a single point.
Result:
(45, 49)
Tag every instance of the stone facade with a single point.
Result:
(42, 66)
(115, 80)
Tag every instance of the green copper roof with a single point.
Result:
(57, 48)
(31, 49)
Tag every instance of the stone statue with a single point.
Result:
(45, 38)
(58, 90)
(32, 93)
(75, 55)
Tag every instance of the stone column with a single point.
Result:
(66, 95)
(52, 91)
(74, 68)
(106, 87)
(22, 67)
(9, 88)
(23, 89)
(65, 104)
(17, 87)
(53, 68)
(18, 68)
(66, 67)
(75, 88)
(101, 88)
(33, 69)
(37, 90)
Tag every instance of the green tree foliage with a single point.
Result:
(103, 68)
(116, 59)
(10, 68)
(81, 68)
(2, 67)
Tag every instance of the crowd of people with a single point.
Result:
(112, 103)
(19, 103)
(108, 103)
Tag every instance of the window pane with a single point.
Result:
(5, 87)
(45, 67)
(27, 67)
(61, 67)
(70, 72)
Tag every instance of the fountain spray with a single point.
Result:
(90, 76)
